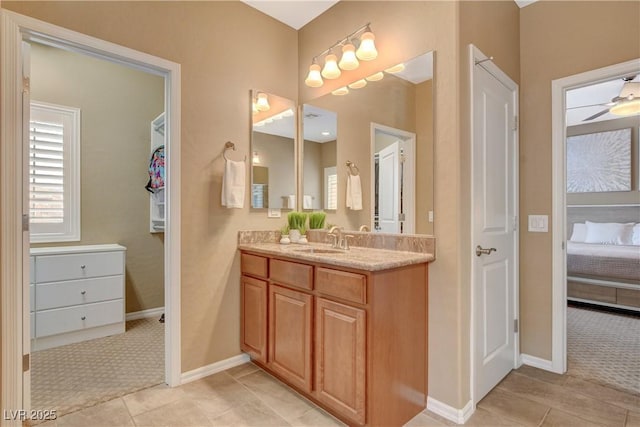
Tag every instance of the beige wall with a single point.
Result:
(218, 45)
(277, 154)
(614, 197)
(424, 156)
(117, 104)
(557, 39)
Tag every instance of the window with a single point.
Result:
(331, 188)
(54, 173)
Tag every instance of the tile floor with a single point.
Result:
(247, 396)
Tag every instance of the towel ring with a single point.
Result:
(353, 169)
(229, 146)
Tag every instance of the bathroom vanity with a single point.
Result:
(348, 329)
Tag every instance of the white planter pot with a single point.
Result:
(294, 235)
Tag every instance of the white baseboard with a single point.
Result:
(145, 314)
(214, 368)
(458, 416)
(537, 362)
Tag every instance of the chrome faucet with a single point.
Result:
(335, 232)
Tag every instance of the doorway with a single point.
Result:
(393, 185)
(582, 207)
(14, 281)
(494, 213)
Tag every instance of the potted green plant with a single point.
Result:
(284, 235)
(296, 221)
(316, 220)
(303, 235)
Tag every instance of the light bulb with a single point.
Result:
(262, 103)
(331, 70)
(314, 79)
(367, 50)
(342, 91)
(395, 68)
(626, 107)
(358, 84)
(348, 60)
(375, 77)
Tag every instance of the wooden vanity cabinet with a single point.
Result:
(355, 342)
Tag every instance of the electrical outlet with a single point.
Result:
(274, 213)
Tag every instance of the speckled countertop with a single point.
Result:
(367, 259)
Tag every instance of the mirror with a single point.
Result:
(385, 128)
(320, 172)
(273, 181)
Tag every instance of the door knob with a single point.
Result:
(480, 250)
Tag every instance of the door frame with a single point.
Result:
(409, 169)
(14, 29)
(559, 88)
(475, 55)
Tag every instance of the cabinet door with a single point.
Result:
(253, 320)
(341, 358)
(290, 316)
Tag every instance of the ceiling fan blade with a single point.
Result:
(595, 116)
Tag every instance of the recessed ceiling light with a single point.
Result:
(326, 133)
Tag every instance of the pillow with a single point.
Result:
(609, 233)
(636, 235)
(579, 232)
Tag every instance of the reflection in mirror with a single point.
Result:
(273, 183)
(395, 104)
(320, 175)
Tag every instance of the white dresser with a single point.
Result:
(77, 294)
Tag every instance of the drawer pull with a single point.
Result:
(83, 266)
(83, 318)
(83, 292)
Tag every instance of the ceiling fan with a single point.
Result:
(625, 104)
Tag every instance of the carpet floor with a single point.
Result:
(80, 375)
(604, 347)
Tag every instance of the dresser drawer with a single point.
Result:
(292, 273)
(56, 268)
(74, 292)
(60, 320)
(254, 265)
(342, 284)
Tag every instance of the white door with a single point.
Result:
(494, 224)
(389, 189)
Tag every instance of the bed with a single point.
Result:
(603, 259)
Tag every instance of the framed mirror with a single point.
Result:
(273, 151)
(384, 128)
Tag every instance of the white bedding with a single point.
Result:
(610, 251)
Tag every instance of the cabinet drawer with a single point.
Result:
(342, 284)
(64, 294)
(60, 320)
(630, 297)
(255, 265)
(56, 268)
(292, 273)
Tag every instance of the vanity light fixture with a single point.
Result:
(395, 68)
(262, 102)
(376, 77)
(331, 69)
(358, 84)
(342, 91)
(255, 158)
(366, 51)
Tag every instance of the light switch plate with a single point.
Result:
(274, 213)
(430, 216)
(539, 223)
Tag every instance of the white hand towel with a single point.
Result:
(307, 202)
(354, 192)
(233, 184)
(290, 201)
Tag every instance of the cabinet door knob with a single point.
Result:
(83, 292)
(83, 318)
(83, 266)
